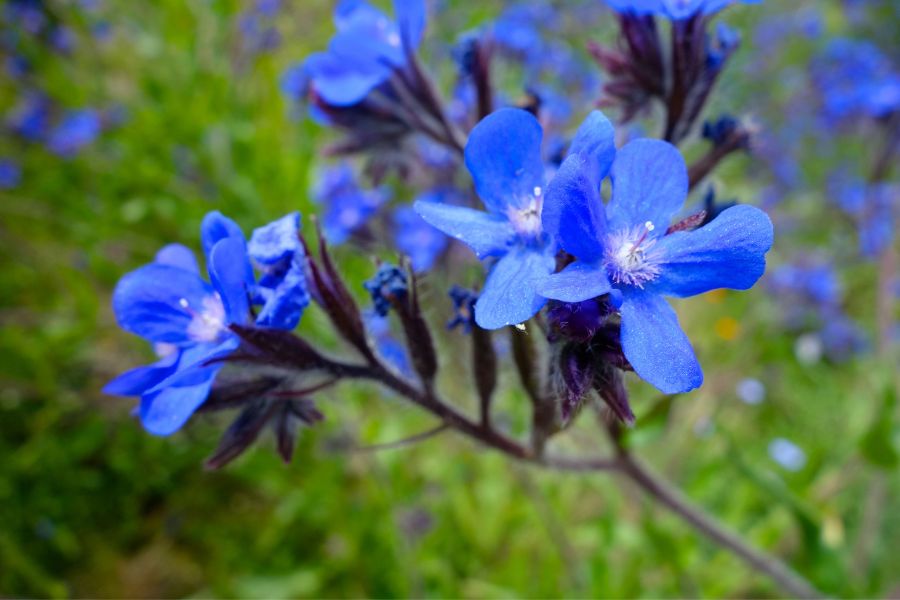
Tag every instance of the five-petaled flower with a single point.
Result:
(623, 248)
(504, 157)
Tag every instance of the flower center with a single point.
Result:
(630, 258)
(527, 221)
(207, 322)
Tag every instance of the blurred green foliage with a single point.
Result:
(91, 506)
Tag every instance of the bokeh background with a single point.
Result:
(156, 112)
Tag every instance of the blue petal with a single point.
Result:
(485, 234)
(573, 212)
(339, 82)
(276, 241)
(215, 227)
(166, 411)
(194, 364)
(149, 302)
(368, 49)
(285, 303)
(656, 346)
(510, 292)
(410, 16)
(650, 183)
(595, 140)
(504, 156)
(177, 255)
(137, 381)
(729, 252)
(227, 268)
(577, 282)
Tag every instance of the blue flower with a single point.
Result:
(282, 289)
(414, 237)
(504, 157)
(624, 249)
(170, 305)
(187, 319)
(31, 117)
(77, 129)
(347, 206)
(787, 454)
(855, 77)
(873, 208)
(10, 173)
(366, 49)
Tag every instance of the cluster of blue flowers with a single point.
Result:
(35, 117)
(603, 267)
(811, 296)
(623, 249)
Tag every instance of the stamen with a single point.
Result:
(630, 258)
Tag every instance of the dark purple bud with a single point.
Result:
(576, 320)
(242, 433)
(224, 396)
(608, 383)
(330, 292)
(576, 370)
(484, 368)
(288, 419)
(415, 328)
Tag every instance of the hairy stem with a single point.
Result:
(670, 497)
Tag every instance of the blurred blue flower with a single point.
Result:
(366, 49)
(624, 249)
(503, 155)
(855, 77)
(874, 209)
(347, 206)
(463, 308)
(751, 391)
(30, 118)
(842, 338)
(421, 242)
(10, 173)
(807, 281)
(187, 319)
(518, 29)
(257, 29)
(787, 454)
(169, 304)
(379, 328)
(77, 129)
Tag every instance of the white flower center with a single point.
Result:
(630, 258)
(207, 323)
(527, 221)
